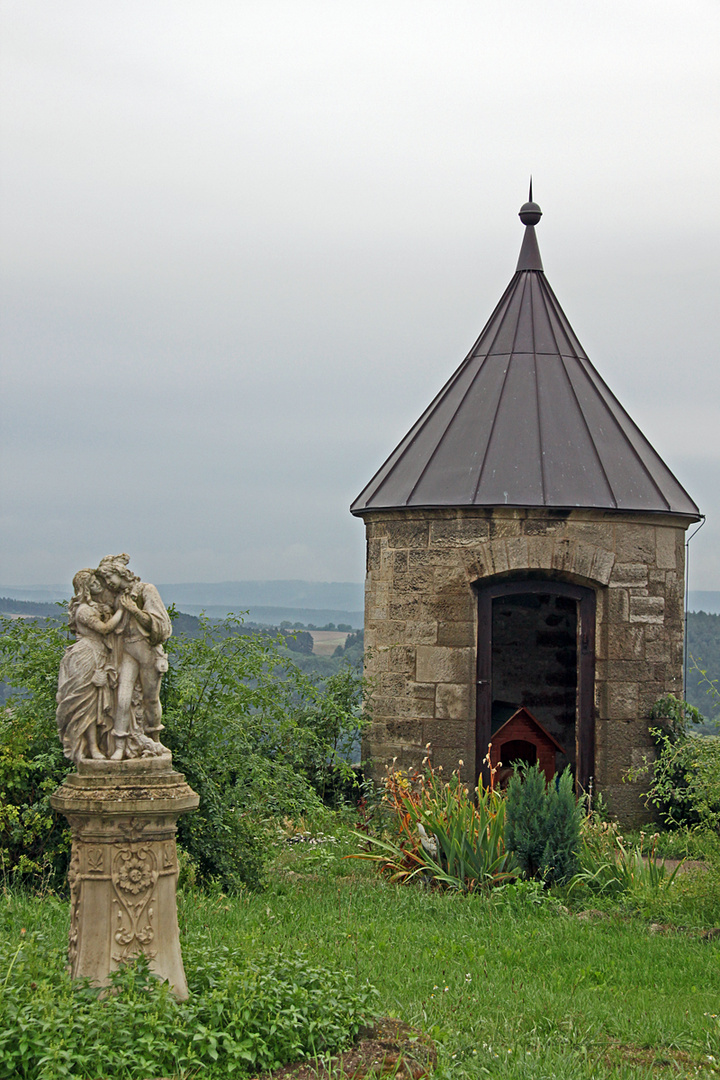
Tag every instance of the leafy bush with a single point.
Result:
(257, 739)
(685, 785)
(543, 823)
(674, 717)
(442, 833)
(685, 776)
(34, 843)
(255, 736)
(242, 1016)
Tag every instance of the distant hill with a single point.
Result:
(43, 594)
(273, 616)
(703, 647)
(266, 602)
(254, 616)
(30, 608)
(317, 595)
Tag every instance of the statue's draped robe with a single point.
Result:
(85, 682)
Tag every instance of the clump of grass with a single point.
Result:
(613, 867)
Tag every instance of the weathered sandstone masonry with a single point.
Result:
(421, 624)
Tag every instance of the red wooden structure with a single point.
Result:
(523, 738)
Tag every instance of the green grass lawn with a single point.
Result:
(517, 985)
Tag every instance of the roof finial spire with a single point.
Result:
(530, 195)
(530, 214)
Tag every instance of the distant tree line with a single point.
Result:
(296, 638)
(703, 648)
(287, 625)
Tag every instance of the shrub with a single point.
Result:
(442, 834)
(543, 823)
(255, 736)
(685, 785)
(258, 739)
(564, 817)
(34, 843)
(242, 1016)
(685, 776)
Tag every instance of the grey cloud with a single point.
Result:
(245, 245)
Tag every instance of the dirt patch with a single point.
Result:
(686, 865)
(664, 1062)
(389, 1048)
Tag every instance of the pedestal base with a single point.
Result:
(123, 870)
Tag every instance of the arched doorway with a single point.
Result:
(536, 649)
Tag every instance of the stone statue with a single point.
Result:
(109, 683)
(124, 799)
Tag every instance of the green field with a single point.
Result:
(521, 984)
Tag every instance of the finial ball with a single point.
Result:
(530, 213)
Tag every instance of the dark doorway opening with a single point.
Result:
(519, 751)
(536, 650)
(534, 663)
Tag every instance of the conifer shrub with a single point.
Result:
(563, 827)
(525, 820)
(543, 825)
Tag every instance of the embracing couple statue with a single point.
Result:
(109, 683)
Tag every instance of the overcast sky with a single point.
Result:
(244, 243)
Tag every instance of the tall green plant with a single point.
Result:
(543, 824)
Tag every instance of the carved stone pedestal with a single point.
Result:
(123, 871)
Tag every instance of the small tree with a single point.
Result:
(542, 824)
(525, 819)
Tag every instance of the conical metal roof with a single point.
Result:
(526, 421)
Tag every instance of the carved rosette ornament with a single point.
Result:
(134, 877)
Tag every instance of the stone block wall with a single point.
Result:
(421, 625)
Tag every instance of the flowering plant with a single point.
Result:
(443, 833)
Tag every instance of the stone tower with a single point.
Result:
(525, 548)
